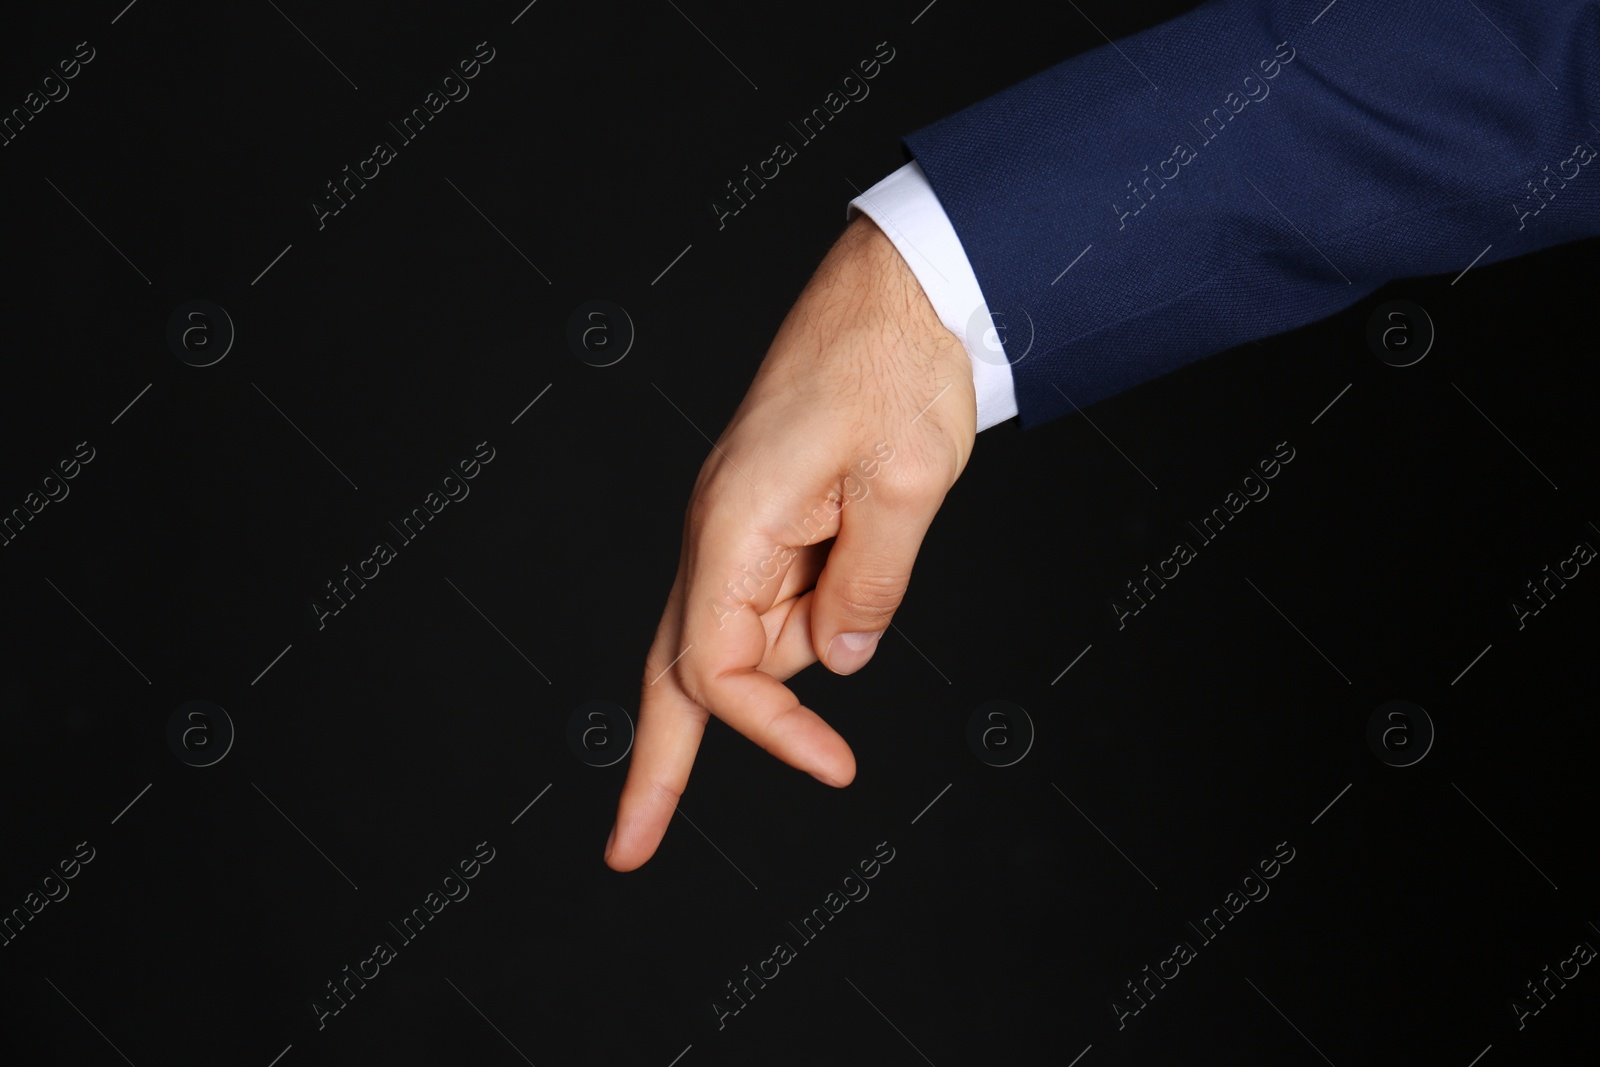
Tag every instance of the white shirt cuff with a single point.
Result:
(905, 208)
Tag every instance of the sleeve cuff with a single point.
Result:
(905, 208)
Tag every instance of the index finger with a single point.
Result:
(670, 728)
(705, 660)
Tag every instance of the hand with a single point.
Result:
(861, 418)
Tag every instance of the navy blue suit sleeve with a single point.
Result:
(1243, 170)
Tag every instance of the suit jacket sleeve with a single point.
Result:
(1253, 166)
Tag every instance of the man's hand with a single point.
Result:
(860, 419)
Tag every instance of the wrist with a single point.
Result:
(881, 268)
(917, 340)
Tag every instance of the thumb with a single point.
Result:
(865, 577)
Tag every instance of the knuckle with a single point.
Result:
(773, 729)
(653, 673)
(666, 789)
(658, 665)
(696, 514)
(662, 674)
(704, 493)
(915, 480)
(683, 675)
(694, 683)
(871, 599)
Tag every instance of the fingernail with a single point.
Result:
(824, 779)
(848, 653)
(610, 841)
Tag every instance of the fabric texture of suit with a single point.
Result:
(1255, 165)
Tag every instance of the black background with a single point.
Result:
(425, 716)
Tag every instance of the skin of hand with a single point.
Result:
(800, 534)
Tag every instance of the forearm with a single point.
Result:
(1284, 169)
